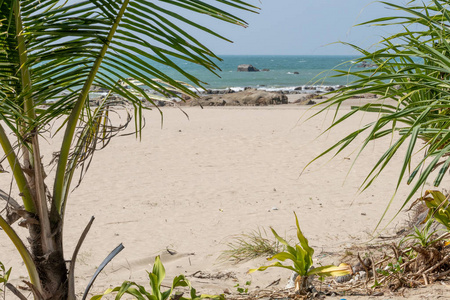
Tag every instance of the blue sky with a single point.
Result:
(295, 27)
(306, 27)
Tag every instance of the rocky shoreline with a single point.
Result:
(307, 95)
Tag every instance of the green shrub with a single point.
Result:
(301, 258)
(154, 293)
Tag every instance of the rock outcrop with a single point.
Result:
(247, 68)
(249, 97)
(308, 99)
(98, 89)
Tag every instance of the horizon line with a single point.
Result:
(222, 54)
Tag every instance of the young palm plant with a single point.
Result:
(52, 53)
(301, 257)
(411, 67)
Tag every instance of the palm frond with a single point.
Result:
(412, 68)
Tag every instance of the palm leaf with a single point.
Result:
(413, 68)
(52, 52)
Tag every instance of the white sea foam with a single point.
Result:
(97, 94)
(306, 89)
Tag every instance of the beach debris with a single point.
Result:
(275, 282)
(342, 279)
(171, 251)
(291, 281)
(218, 275)
(392, 271)
(274, 208)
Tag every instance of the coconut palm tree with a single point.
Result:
(52, 52)
(413, 68)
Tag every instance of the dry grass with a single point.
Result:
(251, 245)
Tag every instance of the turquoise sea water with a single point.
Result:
(312, 70)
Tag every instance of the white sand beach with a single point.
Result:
(193, 184)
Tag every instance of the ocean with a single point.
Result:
(285, 72)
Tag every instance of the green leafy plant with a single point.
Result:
(4, 277)
(51, 54)
(393, 272)
(251, 245)
(410, 72)
(156, 278)
(301, 257)
(244, 289)
(422, 237)
(392, 268)
(438, 207)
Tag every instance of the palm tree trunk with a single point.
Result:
(51, 266)
(45, 236)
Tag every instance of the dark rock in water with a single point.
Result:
(209, 92)
(265, 70)
(365, 64)
(309, 88)
(247, 68)
(218, 92)
(247, 88)
(329, 89)
(296, 73)
(298, 88)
